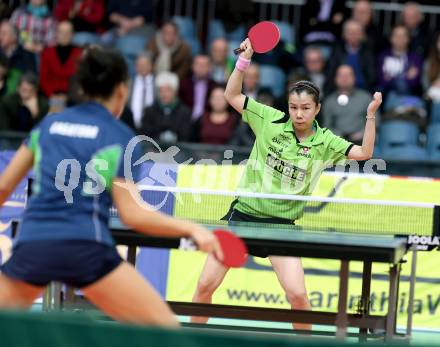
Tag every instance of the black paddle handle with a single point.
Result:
(237, 51)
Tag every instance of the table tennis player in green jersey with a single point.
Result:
(289, 154)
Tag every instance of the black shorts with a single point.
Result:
(234, 216)
(77, 263)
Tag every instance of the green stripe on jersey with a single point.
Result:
(106, 163)
(35, 148)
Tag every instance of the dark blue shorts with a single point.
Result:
(77, 263)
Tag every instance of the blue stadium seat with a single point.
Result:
(216, 30)
(130, 46)
(194, 43)
(238, 34)
(186, 27)
(233, 45)
(377, 152)
(405, 152)
(398, 133)
(286, 31)
(435, 112)
(433, 141)
(274, 78)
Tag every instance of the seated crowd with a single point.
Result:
(176, 89)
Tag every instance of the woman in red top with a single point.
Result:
(87, 16)
(217, 126)
(58, 63)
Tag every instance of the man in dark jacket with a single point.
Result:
(354, 51)
(195, 90)
(19, 60)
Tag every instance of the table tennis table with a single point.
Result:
(289, 241)
(283, 241)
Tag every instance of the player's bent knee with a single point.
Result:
(298, 298)
(206, 286)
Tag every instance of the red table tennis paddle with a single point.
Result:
(234, 249)
(264, 36)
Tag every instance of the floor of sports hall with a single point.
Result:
(270, 330)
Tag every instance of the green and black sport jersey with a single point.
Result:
(280, 164)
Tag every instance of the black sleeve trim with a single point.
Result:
(348, 149)
(245, 103)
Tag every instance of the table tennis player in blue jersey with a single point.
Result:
(78, 161)
(289, 154)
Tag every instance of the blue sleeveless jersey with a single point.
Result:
(77, 154)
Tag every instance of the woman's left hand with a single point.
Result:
(374, 104)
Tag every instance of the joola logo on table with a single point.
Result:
(423, 241)
(285, 168)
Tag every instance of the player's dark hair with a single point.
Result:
(100, 71)
(307, 87)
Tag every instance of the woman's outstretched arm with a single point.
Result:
(233, 93)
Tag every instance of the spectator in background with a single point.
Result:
(314, 68)
(131, 17)
(19, 60)
(87, 17)
(168, 119)
(251, 81)
(169, 52)
(142, 91)
(196, 89)
(243, 134)
(362, 12)
(35, 24)
(8, 7)
(431, 77)
(343, 111)
(412, 19)
(22, 110)
(321, 23)
(218, 124)
(222, 65)
(58, 63)
(400, 69)
(265, 96)
(4, 86)
(4, 90)
(355, 52)
(132, 27)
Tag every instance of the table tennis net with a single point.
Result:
(314, 213)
